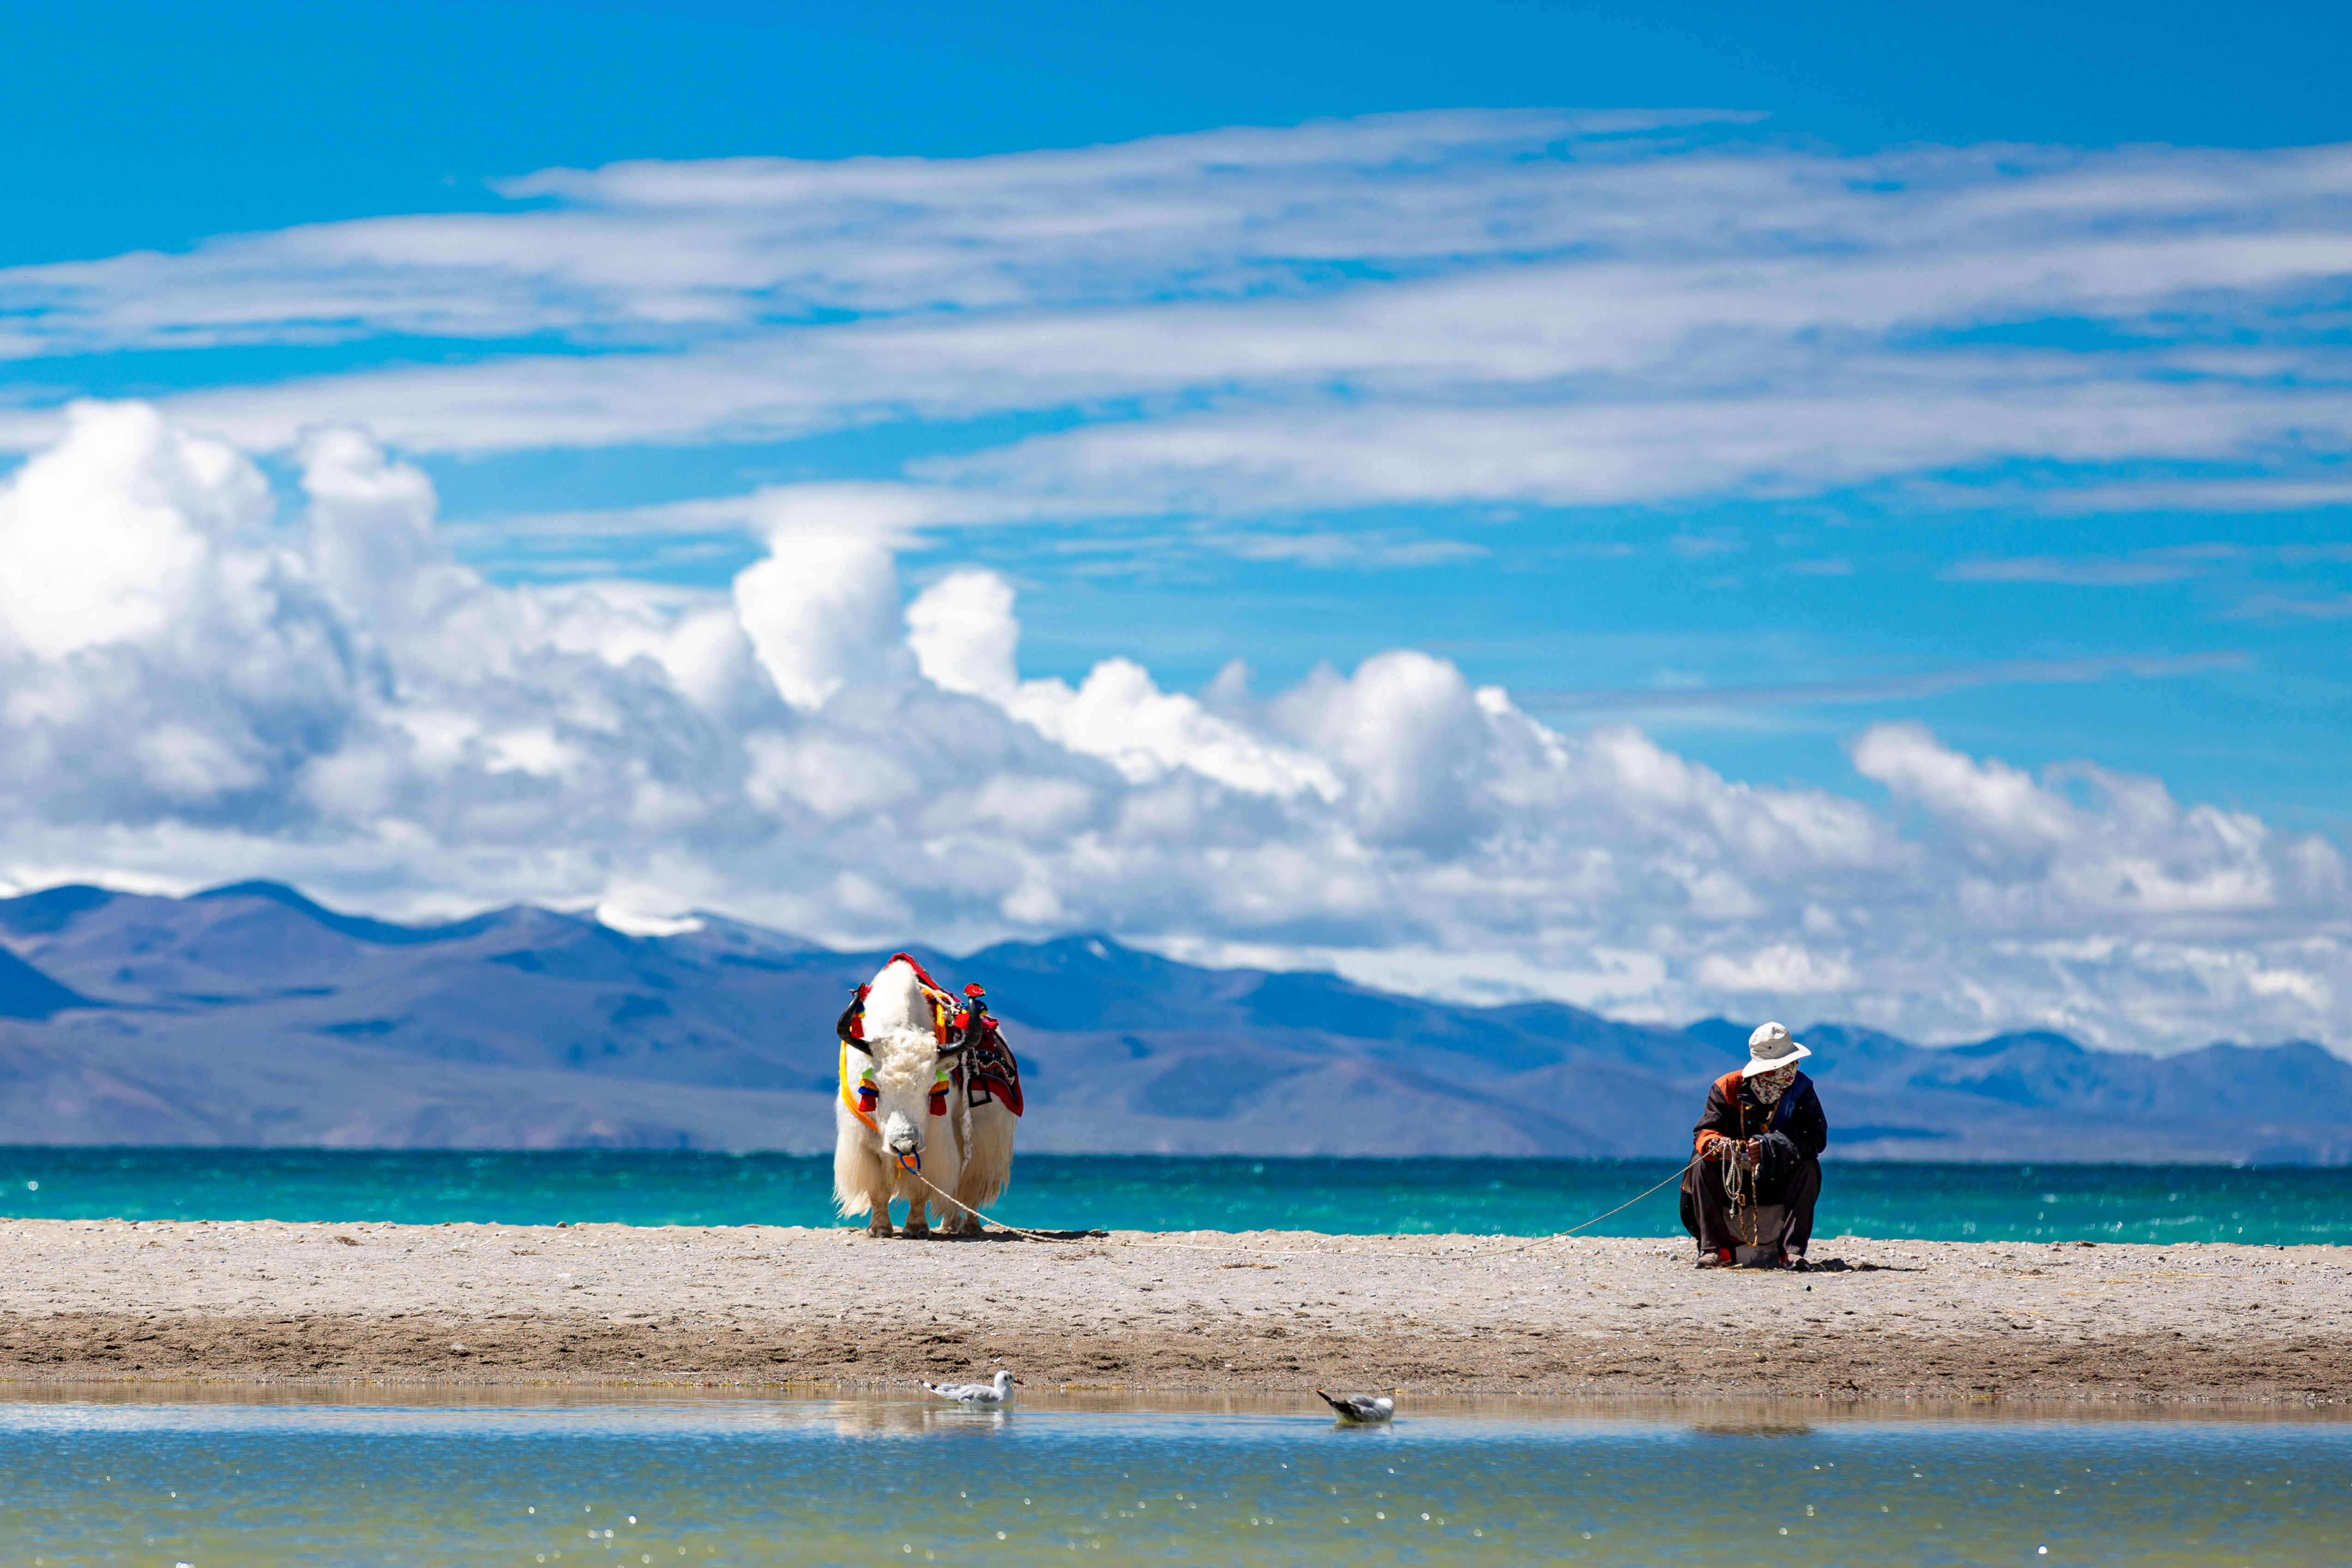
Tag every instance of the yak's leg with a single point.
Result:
(921, 1199)
(860, 1185)
(954, 1218)
(901, 1184)
(876, 1183)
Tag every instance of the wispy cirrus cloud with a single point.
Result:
(2268, 585)
(2082, 571)
(1688, 696)
(2288, 609)
(1330, 547)
(1418, 308)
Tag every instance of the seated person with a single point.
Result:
(1764, 1129)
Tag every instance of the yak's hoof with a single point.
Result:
(918, 1233)
(880, 1227)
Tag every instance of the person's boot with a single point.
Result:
(1721, 1258)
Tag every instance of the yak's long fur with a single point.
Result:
(987, 1154)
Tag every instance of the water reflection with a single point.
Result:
(711, 1477)
(889, 1418)
(1755, 1425)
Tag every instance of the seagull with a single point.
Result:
(980, 1395)
(1362, 1409)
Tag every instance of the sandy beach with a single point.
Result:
(1266, 1310)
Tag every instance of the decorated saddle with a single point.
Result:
(991, 1070)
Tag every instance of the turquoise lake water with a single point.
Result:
(521, 1479)
(1521, 1197)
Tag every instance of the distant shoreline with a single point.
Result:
(1412, 1195)
(163, 1301)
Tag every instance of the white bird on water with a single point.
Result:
(999, 1391)
(1364, 1409)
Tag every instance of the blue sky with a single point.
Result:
(1765, 381)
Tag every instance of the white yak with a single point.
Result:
(899, 1148)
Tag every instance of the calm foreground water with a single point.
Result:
(1521, 1197)
(743, 1480)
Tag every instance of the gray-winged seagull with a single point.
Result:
(1365, 1409)
(999, 1391)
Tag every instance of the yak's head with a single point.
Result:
(904, 1062)
(911, 1085)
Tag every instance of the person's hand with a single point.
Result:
(1755, 1148)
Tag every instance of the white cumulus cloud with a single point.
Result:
(202, 685)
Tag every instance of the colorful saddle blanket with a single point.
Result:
(990, 1072)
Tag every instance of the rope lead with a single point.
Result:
(1280, 1251)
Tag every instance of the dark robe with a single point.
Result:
(1794, 1133)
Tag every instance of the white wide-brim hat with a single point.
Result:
(1771, 1048)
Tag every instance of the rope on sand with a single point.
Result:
(1596, 1219)
(1281, 1251)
